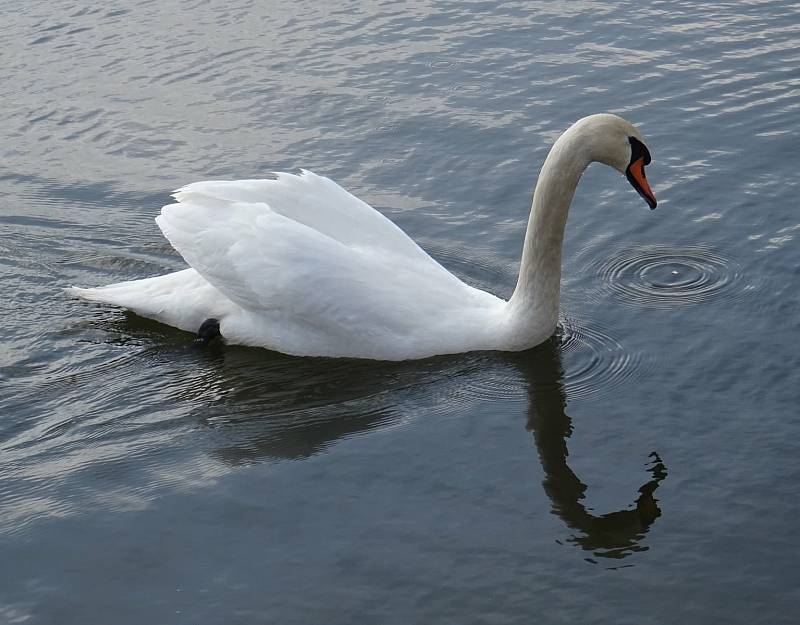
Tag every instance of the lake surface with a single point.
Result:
(642, 467)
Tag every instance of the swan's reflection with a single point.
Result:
(284, 407)
(291, 408)
(615, 534)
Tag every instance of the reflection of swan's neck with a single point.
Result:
(616, 534)
(533, 308)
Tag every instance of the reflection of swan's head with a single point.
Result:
(611, 140)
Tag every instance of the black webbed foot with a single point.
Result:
(208, 330)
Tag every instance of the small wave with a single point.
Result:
(479, 268)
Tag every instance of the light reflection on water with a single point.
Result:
(677, 332)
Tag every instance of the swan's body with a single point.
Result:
(299, 265)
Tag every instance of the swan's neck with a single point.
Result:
(533, 308)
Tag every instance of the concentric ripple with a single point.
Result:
(665, 277)
(488, 377)
(595, 362)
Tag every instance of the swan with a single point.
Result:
(298, 265)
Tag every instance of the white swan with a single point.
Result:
(299, 265)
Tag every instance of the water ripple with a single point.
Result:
(660, 276)
(442, 115)
(594, 361)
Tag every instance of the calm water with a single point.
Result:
(640, 468)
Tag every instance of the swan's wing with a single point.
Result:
(266, 261)
(311, 200)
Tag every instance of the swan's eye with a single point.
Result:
(639, 150)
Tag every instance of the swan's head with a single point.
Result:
(619, 144)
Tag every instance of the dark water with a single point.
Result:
(642, 468)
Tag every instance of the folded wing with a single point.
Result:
(311, 200)
(303, 247)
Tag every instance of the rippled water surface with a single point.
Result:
(641, 467)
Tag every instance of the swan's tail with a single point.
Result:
(136, 295)
(182, 299)
(120, 294)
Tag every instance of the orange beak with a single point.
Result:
(635, 175)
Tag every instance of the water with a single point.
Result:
(640, 468)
